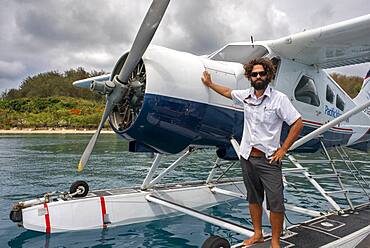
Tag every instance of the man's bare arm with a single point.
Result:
(294, 131)
(206, 79)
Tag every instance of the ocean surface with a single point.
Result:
(34, 164)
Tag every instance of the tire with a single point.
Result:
(16, 215)
(216, 242)
(79, 185)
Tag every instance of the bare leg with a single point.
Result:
(276, 220)
(256, 213)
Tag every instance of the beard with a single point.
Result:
(260, 84)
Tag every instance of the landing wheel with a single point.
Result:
(216, 242)
(81, 187)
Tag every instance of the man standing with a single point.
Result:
(265, 110)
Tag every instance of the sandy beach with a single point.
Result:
(52, 131)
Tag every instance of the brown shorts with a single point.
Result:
(259, 177)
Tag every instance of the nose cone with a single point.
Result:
(83, 84)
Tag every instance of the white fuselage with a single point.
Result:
(178, 75)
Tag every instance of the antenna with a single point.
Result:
(252, 41)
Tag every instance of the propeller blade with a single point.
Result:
(144, 36)
(86, 155)
(85, 83)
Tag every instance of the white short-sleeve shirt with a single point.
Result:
(263, 119)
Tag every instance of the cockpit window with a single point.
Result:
(306, 91)
(239, 53)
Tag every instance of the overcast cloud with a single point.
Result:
(42, 35)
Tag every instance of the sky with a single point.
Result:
(41, 35)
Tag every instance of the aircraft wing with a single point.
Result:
(343, 43)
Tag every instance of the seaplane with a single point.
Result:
(156, 101)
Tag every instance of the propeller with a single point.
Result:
(116, 89)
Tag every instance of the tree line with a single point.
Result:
(350, 84)
(54, 84)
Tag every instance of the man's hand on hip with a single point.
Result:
(278, 155)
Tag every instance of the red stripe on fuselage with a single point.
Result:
(47, 218)
(320, 124)
(103, 209)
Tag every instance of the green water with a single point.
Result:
(34, 164)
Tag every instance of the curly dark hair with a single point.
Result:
(267, 65)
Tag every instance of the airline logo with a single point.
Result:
(331, 111)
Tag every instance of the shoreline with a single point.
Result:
(53, 131)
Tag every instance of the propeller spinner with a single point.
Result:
(116, 89)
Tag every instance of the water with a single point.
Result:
(34, 164)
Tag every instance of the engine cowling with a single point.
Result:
(167, 107)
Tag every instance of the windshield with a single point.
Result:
(239, 53)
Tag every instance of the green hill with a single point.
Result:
(48, 100)
(50, 112)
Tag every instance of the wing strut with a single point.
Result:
(329, 125)
(199, 215)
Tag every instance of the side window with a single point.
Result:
(339, 103)
(329, 94)
(306, 91)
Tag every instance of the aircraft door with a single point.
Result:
(220, 113)
(223, 75)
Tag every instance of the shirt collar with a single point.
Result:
(267, 92)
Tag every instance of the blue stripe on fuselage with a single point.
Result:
(171, 124)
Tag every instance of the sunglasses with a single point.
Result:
(261, 73)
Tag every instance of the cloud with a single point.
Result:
(71, 25)
(193, 27)
(208, 25)
(6, 84)
(38, 36)
(10, 70)
(322, 15)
